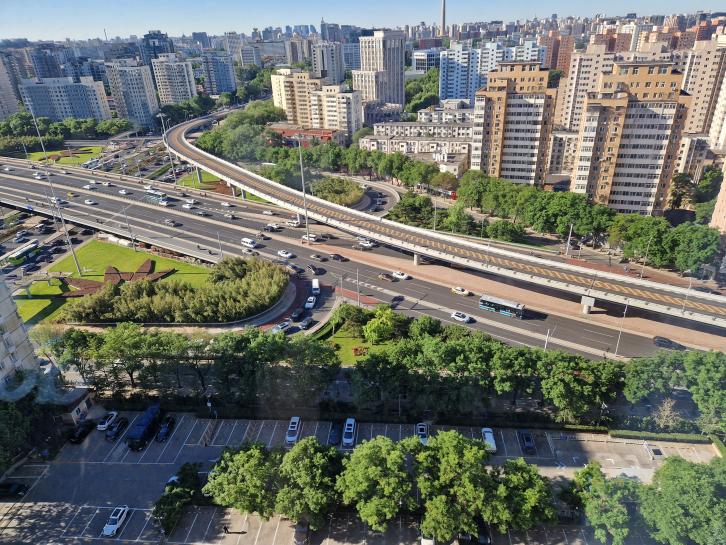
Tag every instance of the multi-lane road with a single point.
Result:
(204, 236)
(675, 301)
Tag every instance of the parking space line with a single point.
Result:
(269, 443)
(582, 533)
(259, 431)
(259, 529)
(330, 429)
(274, 537)
(116, 444)
(231, 433)
(89, 523)
(213, 442)
(211, 519)
(141, 533)
(244, 524)
(501, 432)
(168, 442)
(181, 447)
(186, 539)
(124, 526)
(565, 534)
(72, 519)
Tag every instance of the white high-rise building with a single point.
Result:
(218, 73)
(16, 351)
(328, 62)
(380, 77)
(132, 89)
(717, 132)
(8, 97)
(174, 79)
(702, 78)
(62, 98)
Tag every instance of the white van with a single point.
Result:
(249, 243)
(349, 432)
(293, 431)
(487, 435)
(316, 287)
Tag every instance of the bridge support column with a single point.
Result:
(587, 304)
(416, 260)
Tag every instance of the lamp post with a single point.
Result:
(645, 260)
(162, 115)
(302, 180)
(620, 332)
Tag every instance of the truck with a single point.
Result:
(144, 428)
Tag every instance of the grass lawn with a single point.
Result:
(80, 155)
(96, 256)
(190, 180)
(347, 343)
(42, 303)
(255, 198)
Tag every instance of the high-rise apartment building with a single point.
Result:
(717, 131)
(201, 39)
(153, 44)
(702, 79)
(558, 50)
(351, 56)
(62, 98)
(232, 44)
(328, 61)
(16, 351)
(718, 218)
(218, 69)
(132, 89)
(8, 87)
(250, 54)
(630, 137)
(297, 50)
(174, 79)
(513, 119)
(45, 64)
(380, 77)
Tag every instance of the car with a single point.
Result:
(366, 243)
(313, 269)
(400, 275)
(292, 223)
(272, 227)
(349, 429)
(309, 238)
(310, 302)
(202, 213)
(703, 289)
(306, 322)
(229, 216)
(81, 431)
(461, 317)
(115, 430)
(662, 342)
(294, 269)
(106, 184)
(148, 187)
(422, 432)
(293, 431)
(490, 444)
(115, 521)
(123, 192)
(165, 429)
(187, 206)
(268, 212)
(89, 202)
(190, 201)
(458, 290)
(338, 258)
(226, 204)
(250, 251)
(318, 257)
(282, 326)
(87, 187)
(286, 254)
(335, 434)
(7, 169)
(296, 314)
(163, 202)
(526, 440)
(301, 535)
(92, 182)
(170, 222)
(385, 276)
(10, 489)
(427, 540)
(107, 420)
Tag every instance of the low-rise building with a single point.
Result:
(427, 130)
(308, 137)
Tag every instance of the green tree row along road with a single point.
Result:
(18, 130)
(453, 369)
(243, 138)
(456, 489)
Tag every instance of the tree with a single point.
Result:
(684, 502)
(666, 416)
(505, 230)
(553, 78)
(225, 99)
(246, 479)
(382, 326)
(693, 245)
(375, 480)
(682, 190)
(14, 433)
(360, 133)
(307, 476)
(604, 503)
(444, 180)
(709, 185)
(654, 374)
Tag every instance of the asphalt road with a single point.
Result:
(208, 234)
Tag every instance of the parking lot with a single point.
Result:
(71, 497)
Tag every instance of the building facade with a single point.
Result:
(133, 92)
(513, 119)
(8, 87)
(380, 77)
(702, 79)
(250, 54)
(426, 59)
(174, 79)
(218, 69)
(327, 60)
(16, 351)
(351, 56)
(153, 44)
(62, 98)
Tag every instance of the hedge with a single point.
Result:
(674, 437)
(719, 445)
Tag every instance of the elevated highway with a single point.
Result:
(661, 298)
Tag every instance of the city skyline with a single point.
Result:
(54, 21)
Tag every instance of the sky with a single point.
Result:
(82, 19)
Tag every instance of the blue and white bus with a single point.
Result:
(19, 256)
(502, 306)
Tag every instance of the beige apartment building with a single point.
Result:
(718, 219)
(702, 79)
(16, 351)
(717, 130)
(513, 119)
(630, 137)
(380, 78)
(312, 104)
(174, 79)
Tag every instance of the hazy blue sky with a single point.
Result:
(58, 19)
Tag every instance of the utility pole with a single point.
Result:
(645, 260)
(620, 332)
(357, 285)
(302, 180)
(569, 237)
(161, 116)
(219, 241)
(128, 226)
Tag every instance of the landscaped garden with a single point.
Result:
(73, 156)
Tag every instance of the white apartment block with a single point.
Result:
(702, 79)
(16, 351)
(62, 98)
(415, 145)
(218, 70)
(327, 60)
(380, 77)
(174, 79)
(426, 59)
(428, 130)
(717, 132)
(437, 114)
(8, 97)
(132, 89)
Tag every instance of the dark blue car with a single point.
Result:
(167, 426)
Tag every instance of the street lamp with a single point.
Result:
(298, 139)
(162, 115)
(645, 260)
(620, 332)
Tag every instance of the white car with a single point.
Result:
(92, 182)
(87, 187)
(362, 239)
(226, 204)
(285, 254)
(310, 302)
(147, 187)
(115, 521)
(366, 243)
(400, 275)
(89, 202)
(268, 212)
(422, 431)
(106, 421)
(293, 431)
(458, 290)
(187, 206)
(309, 238)
(7, 169)
(273, 226)
(229, 216)
(163, 203)
(461, 317)
(190, 201)
(64, 172)
(169, 221)
(282, 326)
(123, 192)
(106, 184)
(487, 435)
(292, 223)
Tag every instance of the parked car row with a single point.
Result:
(152, 423)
